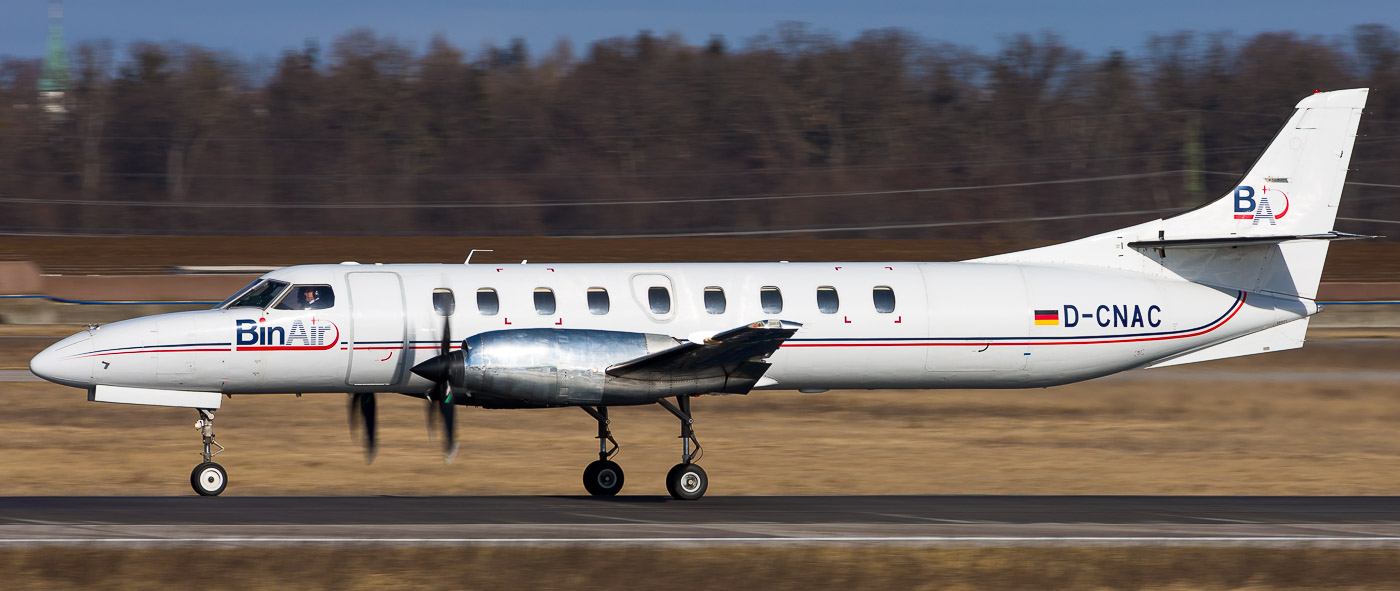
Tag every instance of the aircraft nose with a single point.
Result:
(64, 362)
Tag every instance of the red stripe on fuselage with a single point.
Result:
(1239, 305)
(150, 351)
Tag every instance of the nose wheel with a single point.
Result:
(208, 479)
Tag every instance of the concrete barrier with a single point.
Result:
(20, 277)
(1358, 292)
(38, 311)
(144, 288)
(26, 278)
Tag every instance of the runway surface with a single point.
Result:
(933, 520)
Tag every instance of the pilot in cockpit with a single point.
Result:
(310, 298)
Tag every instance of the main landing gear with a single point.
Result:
(603, 478)
(686, 481)
(208, 479)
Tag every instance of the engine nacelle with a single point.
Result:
(556, 367)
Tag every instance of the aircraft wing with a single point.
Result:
(735, 353)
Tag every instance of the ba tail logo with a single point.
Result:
(1261, 206)
(256, 335)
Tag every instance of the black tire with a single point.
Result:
(209, 479)
(603, 478)
(687, 482)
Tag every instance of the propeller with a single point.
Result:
(440, 370)
(439, 398)
(363, 418)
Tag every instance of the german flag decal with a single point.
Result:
(1050, 317)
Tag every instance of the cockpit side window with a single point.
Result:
(307, 297)
(259, 295)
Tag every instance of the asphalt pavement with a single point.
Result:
(939, 520)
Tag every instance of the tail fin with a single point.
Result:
(1295, 185)
(1269, 233)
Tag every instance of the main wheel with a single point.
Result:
(209, 479)
(602, 478)
(687, 482)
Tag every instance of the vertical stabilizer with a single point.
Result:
(1295, 185)
(1268, 233)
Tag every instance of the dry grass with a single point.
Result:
(361, 567)
(1229, 433)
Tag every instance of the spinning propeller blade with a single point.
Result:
(439, 403)
(362, 413)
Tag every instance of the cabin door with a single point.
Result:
(376, 329)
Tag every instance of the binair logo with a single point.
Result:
(1252, 206)
(256, 335)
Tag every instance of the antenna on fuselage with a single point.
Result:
(474, 251)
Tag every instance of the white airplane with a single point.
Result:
(1236, 276)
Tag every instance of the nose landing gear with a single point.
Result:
(208, 479)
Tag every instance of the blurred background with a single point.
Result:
(753, 128)
(156, 155)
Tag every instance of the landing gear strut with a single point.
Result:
(603, 478)
(208, 479)
(686, 481)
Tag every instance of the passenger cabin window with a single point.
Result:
(487, 302)
(659, 300)
(884, 300)
(771, 299)
(827, 300)
(443, 302)
(598, 303)
(307, 297)
(544, 301)
(714, 300)
(258, 295)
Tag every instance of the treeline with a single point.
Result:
(887, 133)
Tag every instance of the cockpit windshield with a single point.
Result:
(258, 295)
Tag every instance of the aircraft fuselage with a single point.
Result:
(863, 325)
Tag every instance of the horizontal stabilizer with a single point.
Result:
(726, 353)
(1244, 240)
